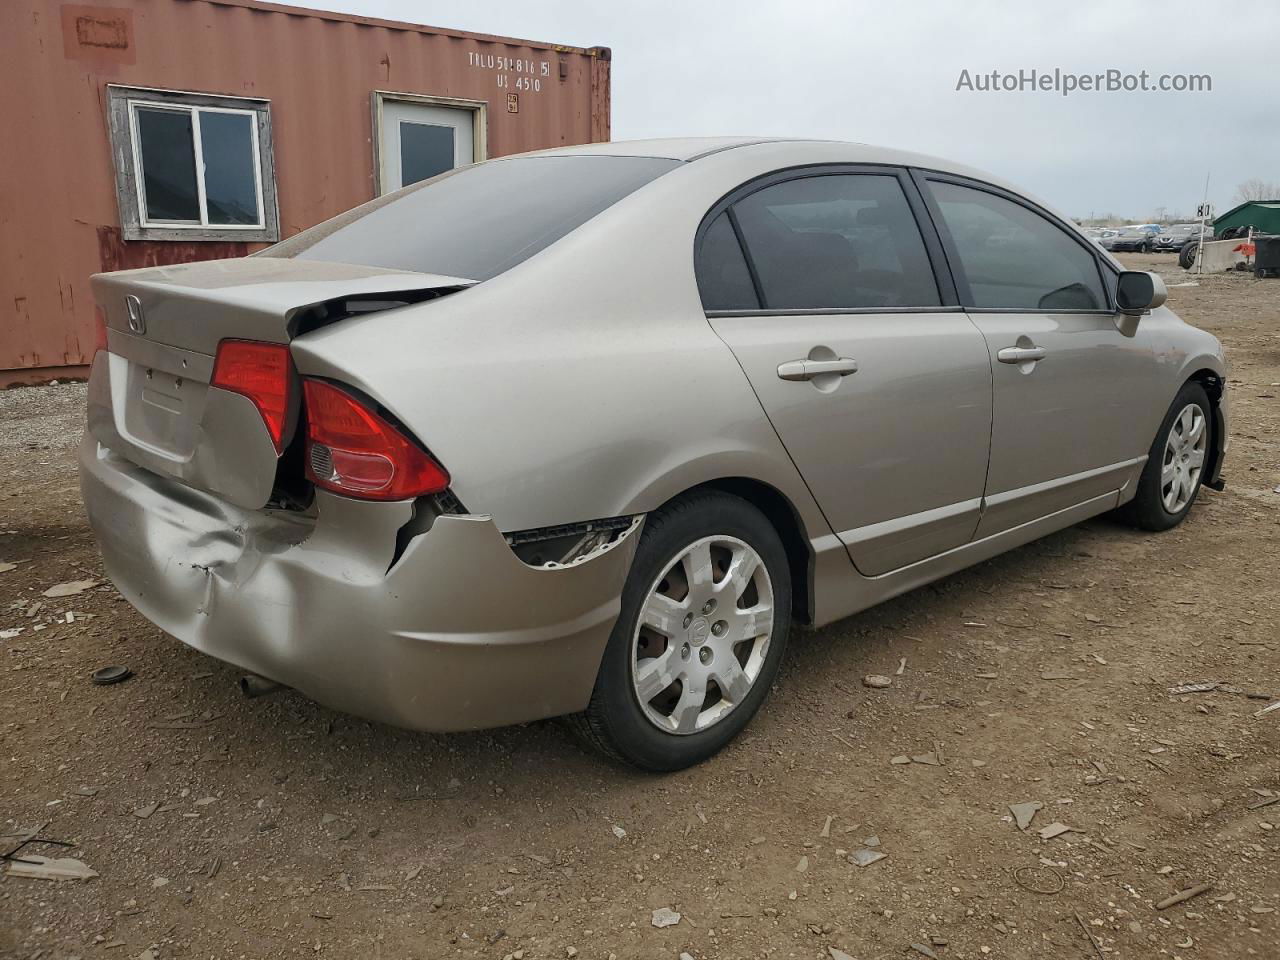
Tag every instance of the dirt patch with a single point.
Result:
(284, 829)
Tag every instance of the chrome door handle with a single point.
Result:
(808, 369)
(1020, 354)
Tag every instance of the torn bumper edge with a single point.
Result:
(459, 634)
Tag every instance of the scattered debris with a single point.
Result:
(803, 865)
(864, 858)
(203, 720)
(877, 681)
(1024, 812)
(1039, 879)
(70, 588)
(1093, 941)
(1184, 895)
(1202, 686)
(105, 676)
(619, 832)
(1057, 675)
(1055, 830)
(32, 866)
(665, 917)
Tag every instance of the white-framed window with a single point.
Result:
(193, 166)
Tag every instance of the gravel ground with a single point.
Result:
(221, 827)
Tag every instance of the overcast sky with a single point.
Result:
(886, 73)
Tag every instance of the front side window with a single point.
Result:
(1013, 258)
(836, 241)
(192, 166)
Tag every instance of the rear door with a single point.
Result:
(823, 285)
(1065, 373)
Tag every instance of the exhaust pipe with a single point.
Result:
(254, 686)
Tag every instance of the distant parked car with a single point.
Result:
(1173, 238)
(1132, 239)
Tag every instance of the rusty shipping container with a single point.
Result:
(143, 132)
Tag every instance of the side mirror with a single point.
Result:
(1138, 291)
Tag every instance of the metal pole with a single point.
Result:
(1204, 210)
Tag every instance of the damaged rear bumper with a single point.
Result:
(454, 633)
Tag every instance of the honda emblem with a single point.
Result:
(137, 323)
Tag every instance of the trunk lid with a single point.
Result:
(150, 398)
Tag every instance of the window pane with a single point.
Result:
(230, 184)
(479, 220)
(168, 164)
(837, 242)
(723, 279)
(1015, 258)
(426, 150)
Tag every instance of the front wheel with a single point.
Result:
(1176, 462)
(705, 615)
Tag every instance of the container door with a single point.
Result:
(419, 141)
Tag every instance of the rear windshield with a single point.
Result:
(477, 221)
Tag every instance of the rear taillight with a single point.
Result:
(353, 451)
(263, 373)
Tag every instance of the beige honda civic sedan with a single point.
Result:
(583, 431)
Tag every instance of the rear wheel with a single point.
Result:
(1176, 462)
(704, 621)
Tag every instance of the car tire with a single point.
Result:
(1187, 255)
(638, 732)
(1153, 507)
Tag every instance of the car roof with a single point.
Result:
(689, 149)
(784, 152)
(671, 148)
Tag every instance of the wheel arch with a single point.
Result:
(1215, 385)
(785, 518)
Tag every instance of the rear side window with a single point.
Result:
(723, 278)
(836, 241)
(478, 221)
(1015, 258)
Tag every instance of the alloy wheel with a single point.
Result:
(1183, 460)
(703, 635)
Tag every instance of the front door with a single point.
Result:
(1064, 430)
(420, 140)
(881, 395)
